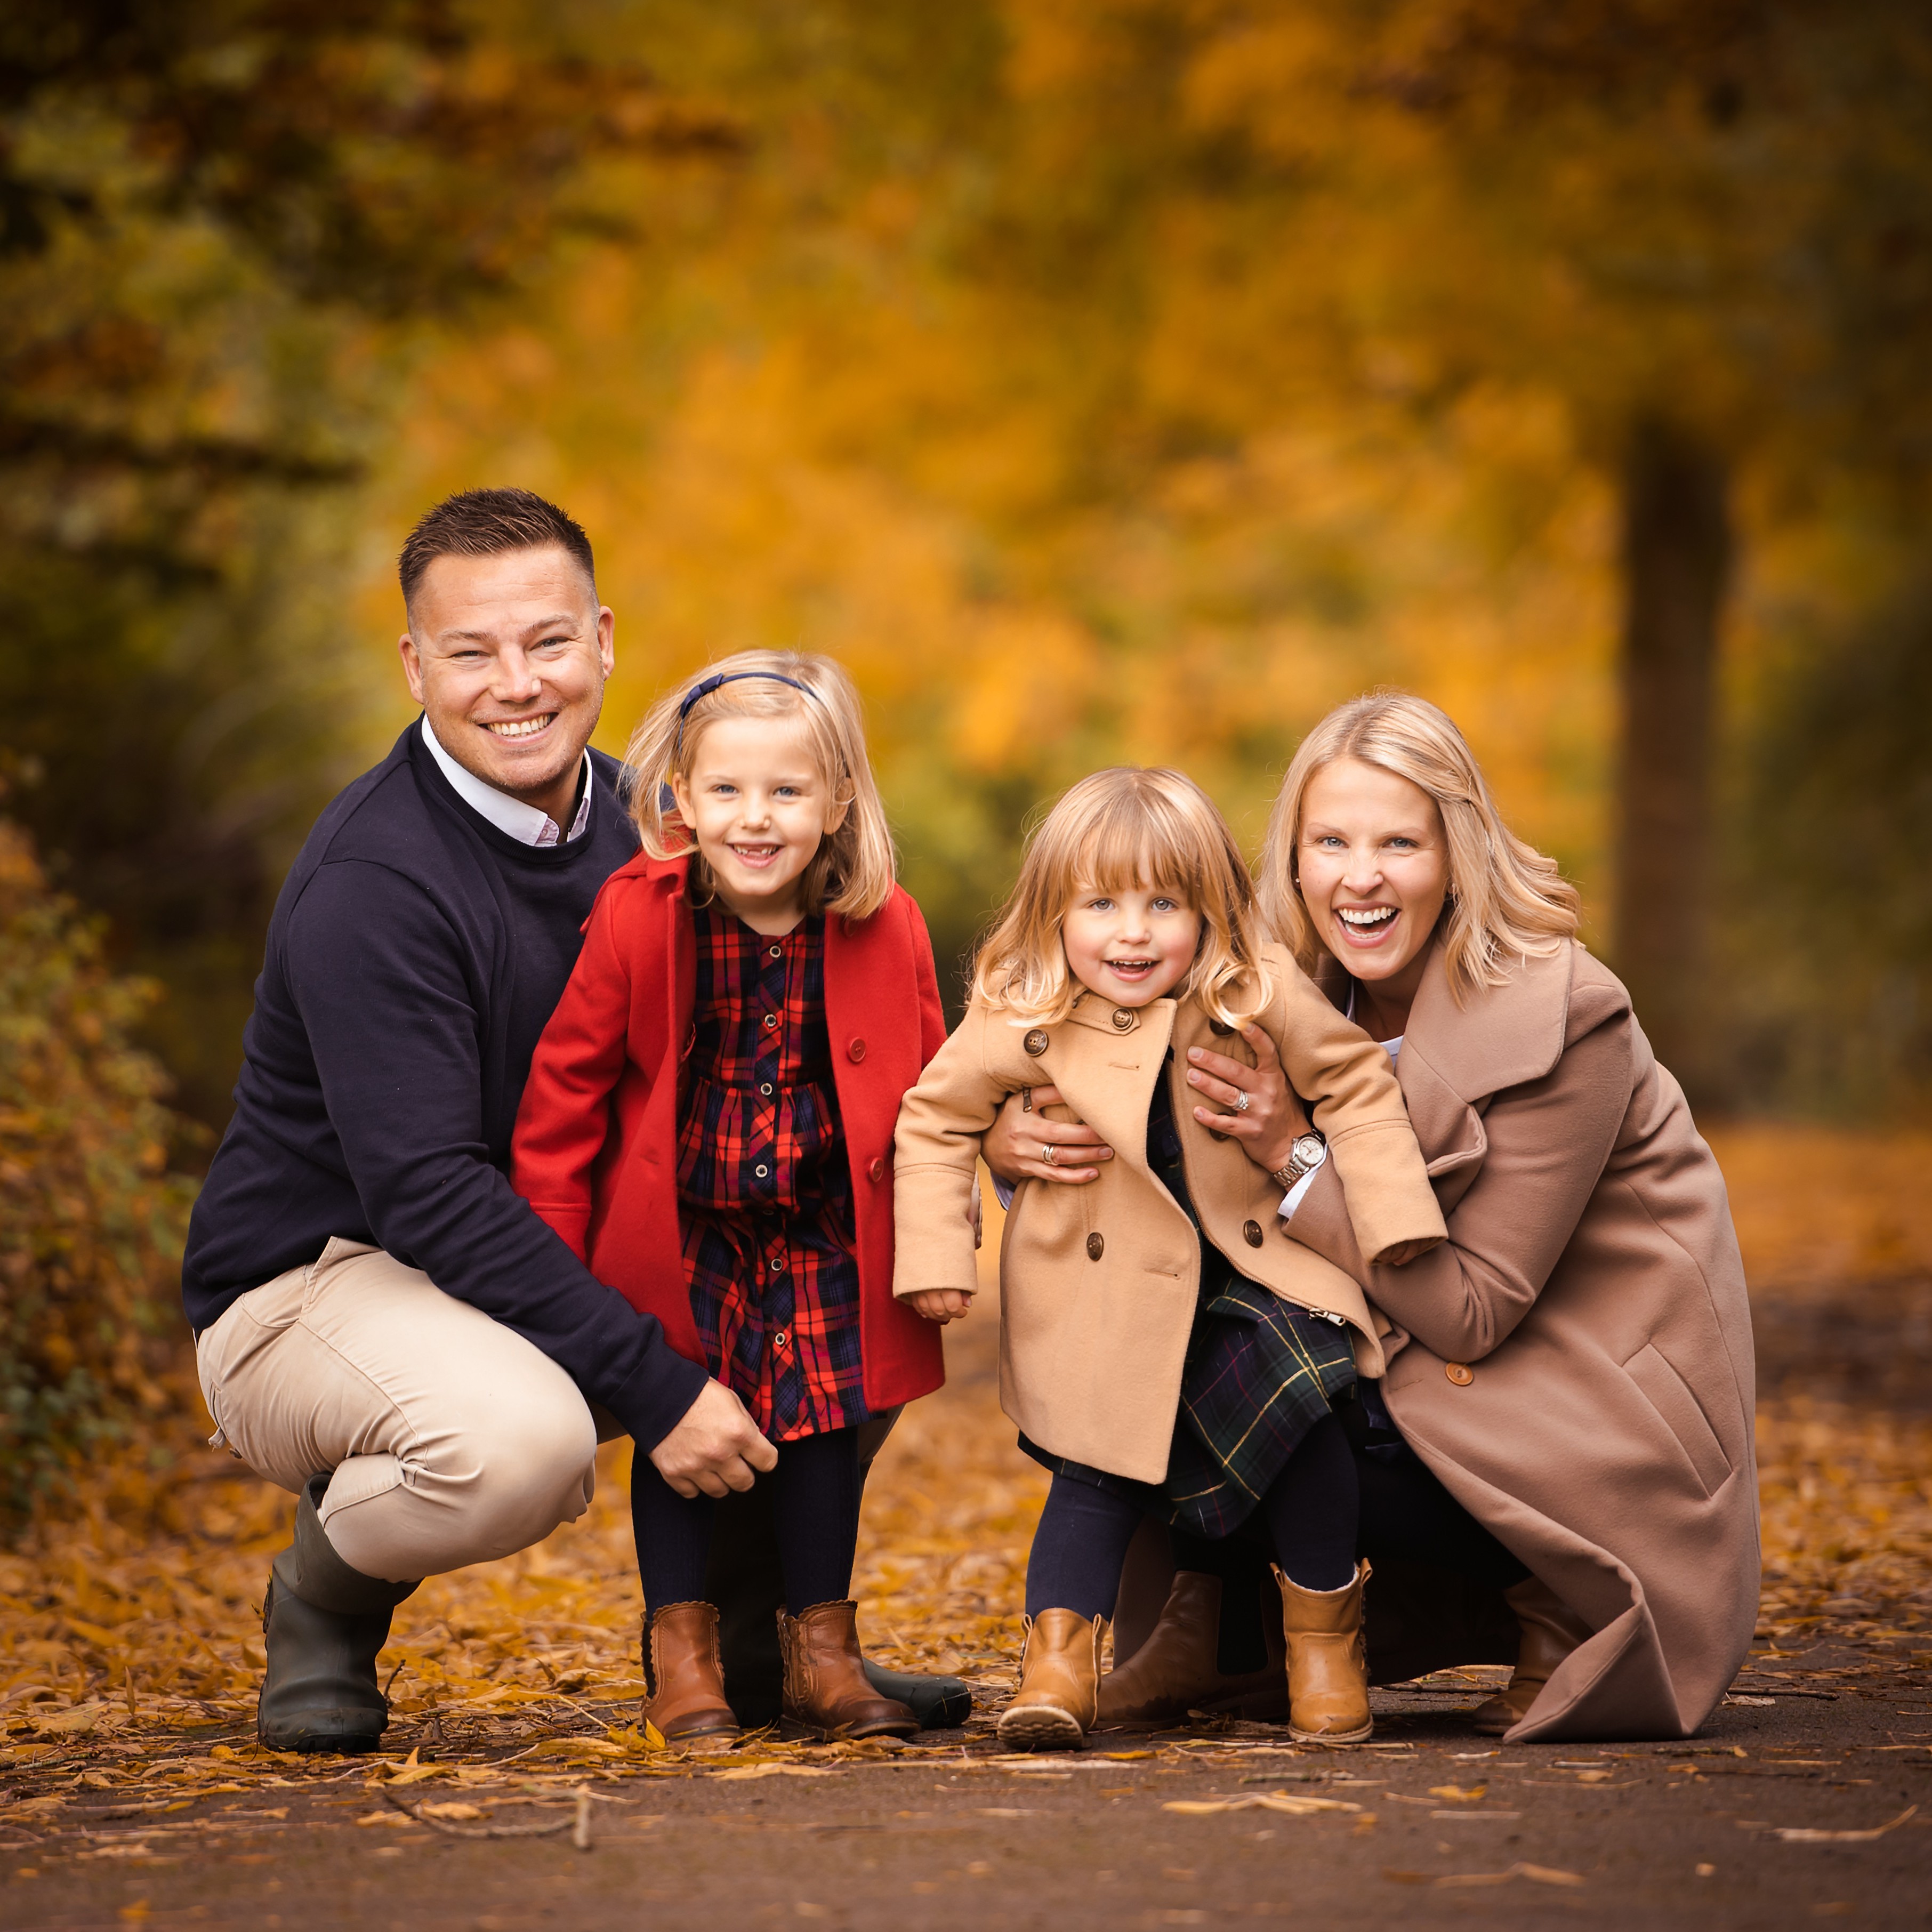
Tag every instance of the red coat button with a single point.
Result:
(857, 1050)
(877, 1169)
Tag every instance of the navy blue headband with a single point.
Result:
(703, 688)
(707, 685)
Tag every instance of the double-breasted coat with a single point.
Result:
(1099, 1283)
(596, 1144)
(1575, 1361)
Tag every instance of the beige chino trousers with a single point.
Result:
(451, 1439)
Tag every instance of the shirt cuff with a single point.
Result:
(1004, 1189)
(1293, 1199)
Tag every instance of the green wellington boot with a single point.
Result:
(322, 1625)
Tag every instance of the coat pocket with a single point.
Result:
(1668, 1393)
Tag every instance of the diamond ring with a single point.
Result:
(1240, 1101)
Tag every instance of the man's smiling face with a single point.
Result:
(507, 654)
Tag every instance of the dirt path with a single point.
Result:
(131, 1794)
(1427, 1825)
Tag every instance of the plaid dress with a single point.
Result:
(764, 1188)
(1259, 1372)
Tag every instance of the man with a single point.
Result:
(381, 1324)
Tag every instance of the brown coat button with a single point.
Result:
(1460, 1373)
(1096, 1247)
(1251, 1233)
(1220, 1027)
(1123, 1019)
(1035, 1041)
(857, 1050)
(877, 1169)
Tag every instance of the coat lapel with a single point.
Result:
(1113, 1071)
(1455, 1056)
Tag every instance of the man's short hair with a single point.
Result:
(486, 523)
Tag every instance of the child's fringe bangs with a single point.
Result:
(1118, 829)
(854, 871)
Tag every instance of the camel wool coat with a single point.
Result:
(1098, 1282)
(1575, 1361)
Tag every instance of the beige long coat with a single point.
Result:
(1098, 1282)
(1577, 1366)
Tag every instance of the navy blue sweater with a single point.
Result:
(415, 954)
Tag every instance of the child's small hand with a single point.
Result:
(941, 1304)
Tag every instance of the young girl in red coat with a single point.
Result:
(709, 1123)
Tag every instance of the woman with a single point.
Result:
(1573, 1367)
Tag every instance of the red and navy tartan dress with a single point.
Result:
(764, 1186)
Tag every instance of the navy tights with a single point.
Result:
(815, 1511)
(1310, 1512)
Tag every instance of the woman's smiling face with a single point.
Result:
(1373, 866)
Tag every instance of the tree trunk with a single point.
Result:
(1677, 553)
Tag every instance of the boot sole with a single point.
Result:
(1040, 1727)
(310, 1745)
(1368, 1730)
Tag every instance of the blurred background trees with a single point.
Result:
(1100, 379)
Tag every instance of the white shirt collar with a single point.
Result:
(521, 822)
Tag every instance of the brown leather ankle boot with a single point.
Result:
(825, 1680)
(1178, 1668)
(684, 1682)
(1060, 1683)
(1327, 1661)
(1551, 1631)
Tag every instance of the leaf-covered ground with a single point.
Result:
(130, 1641)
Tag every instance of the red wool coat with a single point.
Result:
(596, 1150)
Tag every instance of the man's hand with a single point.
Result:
(940, 1304)
(716, 1447)
(1015, 1147)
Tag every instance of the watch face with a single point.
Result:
(1308, 1150)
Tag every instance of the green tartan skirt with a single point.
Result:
(1260, 1372)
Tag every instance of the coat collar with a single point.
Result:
(1455, 1057)
(1103, 1016)
(1498, 1037)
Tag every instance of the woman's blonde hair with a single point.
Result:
(851, 873)
(1507, 901)
(1125, 827)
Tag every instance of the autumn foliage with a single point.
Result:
(91, 1221)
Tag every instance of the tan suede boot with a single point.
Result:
(825, 1682)
(1551, 1631)
(1327, 1661)
(1058, 1699)
(684, 1681)
(1178, 1668)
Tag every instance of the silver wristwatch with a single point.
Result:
(1308, 1153)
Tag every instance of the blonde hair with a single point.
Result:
(851, 873)
(1507, 901)
(1126, 826)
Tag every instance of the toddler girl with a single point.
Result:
(709, 1123)
(1162, 1344)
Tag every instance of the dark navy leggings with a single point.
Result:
(815, 1514)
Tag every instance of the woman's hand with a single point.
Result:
(1267, 1126)
(941, 1304)
(1014, 1147)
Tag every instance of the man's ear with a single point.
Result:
(607, 636)
(412, 665)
